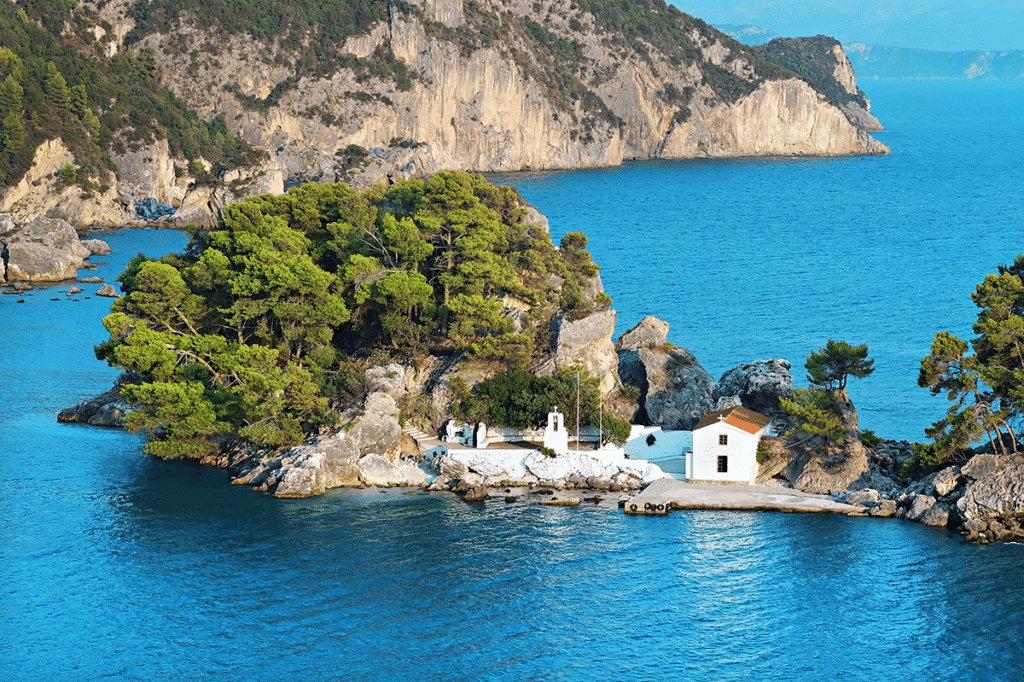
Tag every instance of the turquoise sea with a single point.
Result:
(120, 567)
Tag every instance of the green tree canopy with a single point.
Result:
(832, 365)
(518, 399)
(984, 388)
(56, 87)
(11, 94)
(813, 411)
(12, 133)
(244, 335)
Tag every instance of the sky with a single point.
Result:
(924, 24)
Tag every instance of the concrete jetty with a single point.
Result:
(667, 494)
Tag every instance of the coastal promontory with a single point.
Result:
(164, 112)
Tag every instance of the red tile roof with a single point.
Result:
(740, 417)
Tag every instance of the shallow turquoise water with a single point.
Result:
(120, 567)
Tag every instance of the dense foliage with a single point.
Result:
(986, 387)
(519, 399)
(56, 83)
(812, 58)
(637, 23)
(813, 413)
(246, 334)
(304, 36)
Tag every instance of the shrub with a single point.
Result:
(68, 173)
(813, 411)
(926, 457)
(869, 439)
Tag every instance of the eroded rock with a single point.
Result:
(994, 487)
(759, 386)
(586, 342)
(44, 250)
(380, 471)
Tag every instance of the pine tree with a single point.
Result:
(79, 100)
(12, 133)
(56, 88)
(11, 94)
(830, 367)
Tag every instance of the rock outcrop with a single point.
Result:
(823, 62)
(830, 469)
(465, 472)
(821, 465)
(349, 456)
(675, 391)
(107, 409)
(758, 385)
(44, 250)
(983, 499)
(145, 190)
(586, 342)
(992, 487)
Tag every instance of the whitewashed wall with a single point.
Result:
(741, 450)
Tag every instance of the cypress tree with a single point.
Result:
(79, 101)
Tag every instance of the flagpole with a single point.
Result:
(577, 411)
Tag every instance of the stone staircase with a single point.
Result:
(416, 434)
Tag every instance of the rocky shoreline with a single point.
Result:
(982, 499)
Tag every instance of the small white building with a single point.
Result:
(725, 446)
(555, 435)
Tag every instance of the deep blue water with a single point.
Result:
(116, 566)
(751, 259)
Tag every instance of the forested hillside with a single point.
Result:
(263, 325)
(56, 83)
(195, 105)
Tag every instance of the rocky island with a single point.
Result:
(302, 331)
(450, 302)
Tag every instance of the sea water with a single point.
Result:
(767, 258)
(121, 567)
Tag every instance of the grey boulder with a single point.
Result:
(45, 250)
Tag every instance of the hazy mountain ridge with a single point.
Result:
(881, 62)
(899, 63)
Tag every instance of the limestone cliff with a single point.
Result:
(490, 85)
(823, 62)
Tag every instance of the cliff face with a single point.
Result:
(495, 107)
(823, 62)
(490, 85)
